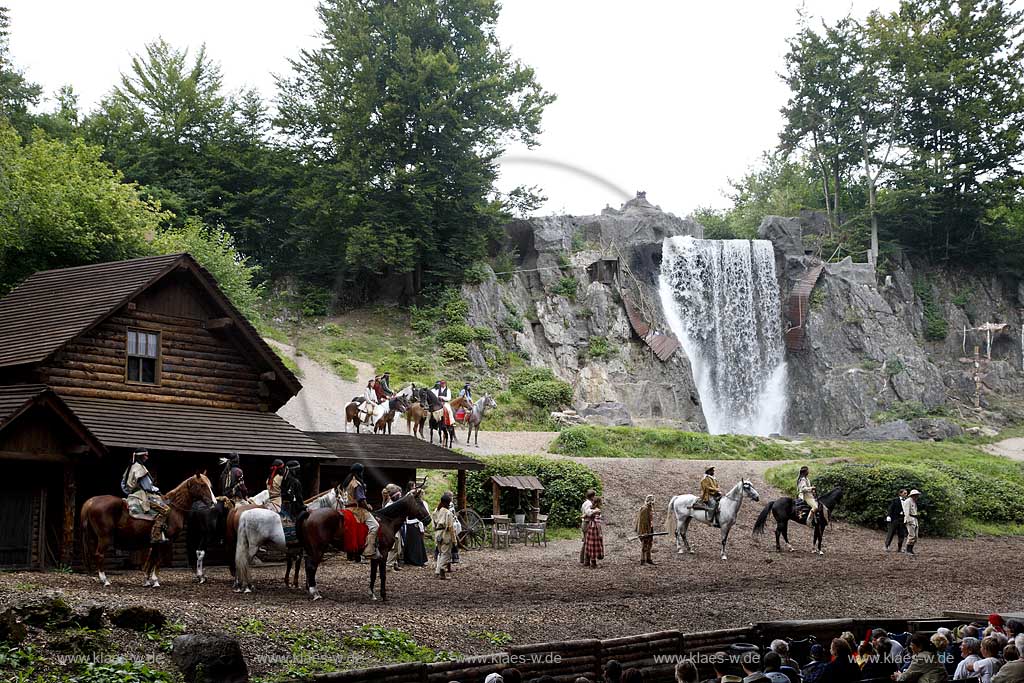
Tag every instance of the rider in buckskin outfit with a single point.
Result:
(140, 486)
(710, 494)
(355, 494)
(232, 480)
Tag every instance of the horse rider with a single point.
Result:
(378, 389)
(385, 384)
(445, 395)
(644, 528)
(274, 485)
(807, 493)
(910, 519)
(232, 480)
(355, 494)
(140, 485)
(710, 495)
(467, 393)
(292, 502)
(369, 400)
(392, 493)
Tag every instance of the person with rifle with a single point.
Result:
(644, 527)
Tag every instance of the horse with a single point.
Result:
(205, 527)
(332, 499)
(398, 404)
(324, 528)
(680, 512)
(475, 415)
(354, 415)
(785, 509)
(105, 523)
(416, 418)
(436, 412)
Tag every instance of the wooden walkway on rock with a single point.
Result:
(663, 345)
(797, 308)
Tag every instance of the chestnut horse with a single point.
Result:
(321, 529)
(105, 523)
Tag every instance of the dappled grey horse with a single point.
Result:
(681, 512)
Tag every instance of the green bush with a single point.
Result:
(454, 308)
(987, 498)
(935, 325)
(454, 353)
(513, 323)
(565, 486)
(476, 274)
(868, 487)
(482, 334)
(505, 265)
(459, 333)
(424, 319)
(598, 347)
(567, 286)
(333, 330)
(315, 301)
(521, 378)
(549, 393)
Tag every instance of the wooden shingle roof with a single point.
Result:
(17, 399)
(14, 399)
(174, 427)
(394, 450)
(524, 482)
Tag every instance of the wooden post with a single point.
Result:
(535, 509)
(315, 490)
(496, 497)
(460, 493)
(67, 543)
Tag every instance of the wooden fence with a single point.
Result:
(653, 653)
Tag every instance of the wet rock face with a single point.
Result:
(584, 336)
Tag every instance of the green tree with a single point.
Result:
(401, 114)
(60, 205)
(17, 94)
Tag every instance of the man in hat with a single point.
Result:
(392, 493)
(910, 519)
(644, 527)
(355, 494)
(894, 518)
(291, 491)
(232, 480)
(586, 512)
(385, 384)
(140, 486)
(710, 494)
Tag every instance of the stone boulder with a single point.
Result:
(88, 614)
(48, 609)
(897, 430)
(568, 418)
(786, 234)
(935, 428)
(12, 631)
(138, 618)
(608, 414)
(209, 658)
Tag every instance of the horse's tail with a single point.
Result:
(87, 536)
(670, 517)
(762, 519)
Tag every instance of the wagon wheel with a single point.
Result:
(474, 531)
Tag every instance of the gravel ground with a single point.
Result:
(537, 594)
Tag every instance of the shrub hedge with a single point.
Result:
(565, 486)
(548, 393)
(636, 442)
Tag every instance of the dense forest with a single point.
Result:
(372, 170)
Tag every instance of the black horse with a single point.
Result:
(445, 433)
(205, 527)
(785, 509)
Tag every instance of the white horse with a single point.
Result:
(680, 512)
(257, 528)
(477, 415)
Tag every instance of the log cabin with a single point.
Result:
(97, 360)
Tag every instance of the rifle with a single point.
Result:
(651, 535)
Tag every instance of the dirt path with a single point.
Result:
(319, 407)
(1009, 448)
(507, 443)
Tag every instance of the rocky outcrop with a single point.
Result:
(897, 430)
(138, 618)
(565, 311)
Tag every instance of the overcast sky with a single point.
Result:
(669, 96)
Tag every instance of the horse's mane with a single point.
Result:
(830, 499)
(177, 494)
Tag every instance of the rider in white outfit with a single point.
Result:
(370, 402)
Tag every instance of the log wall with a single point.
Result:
(197, 366)
(655, 654)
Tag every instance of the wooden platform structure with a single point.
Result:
(518, 483)
(662, 344)
(798, 308)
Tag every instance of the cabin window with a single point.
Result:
(143, 356)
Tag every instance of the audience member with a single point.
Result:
(842, 668)
(1013, 628)
(1013, 670)
(970, 650)
(772, 664)
(686, 672)
(494, 678)
(893, 649)
(781, 648)
(512, 675)
(582, 679)
(851, 640)
(819, 659)
(1011, 653)
(988, 666)
(633, 676)
(924, 664)
(612, 671)
(872, 664)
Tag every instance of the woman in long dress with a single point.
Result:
(414, 550)
(593, 542)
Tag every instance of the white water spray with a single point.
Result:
(721, 299)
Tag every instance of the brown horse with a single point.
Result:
(416, 419)
(105, 523)
(398, 404)
(322, 529)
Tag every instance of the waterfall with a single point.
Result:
(721, 299)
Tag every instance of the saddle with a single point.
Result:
(353, 535)
(135, 511)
